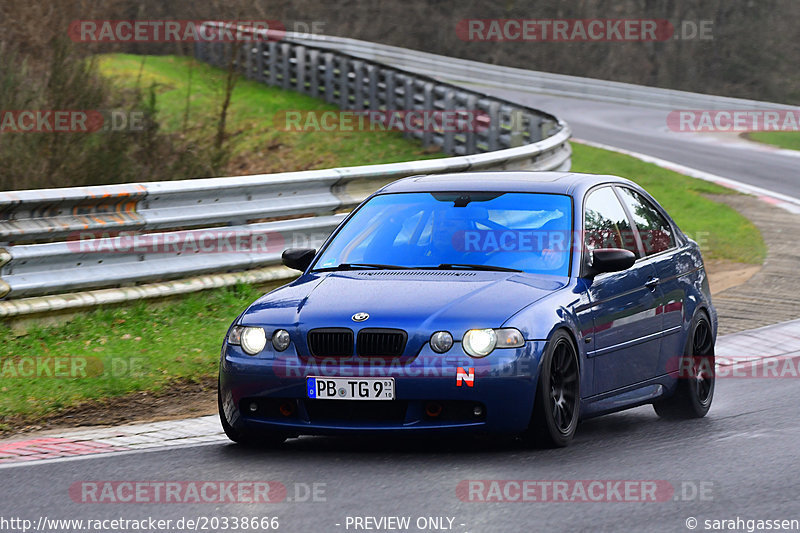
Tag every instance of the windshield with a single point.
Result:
(528, 232)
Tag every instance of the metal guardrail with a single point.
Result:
(73, 247)
(499, 76)
(363, 85)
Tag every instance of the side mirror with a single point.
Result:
(610, 260)
(298, 258)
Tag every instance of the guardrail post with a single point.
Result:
(313, 70)
(427, 135)
(372, 93)
(344, 83)
(548, 128)
(493, 137)
(330, 86)
(273, 63)
(286, 72)
(208, 52)
(470, 143)
(409, 88)
(447, 132)
(535, 124)
(247, 51)
(358, 86)
(390, 94)
(516, 137)
(259, 60)
(227, 56)
(213, 54)
(242, 62)
(300, 69)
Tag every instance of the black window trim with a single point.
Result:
(584, 250)
(675, 246)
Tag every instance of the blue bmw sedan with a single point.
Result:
(513, 303)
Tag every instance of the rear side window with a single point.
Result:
(656, 233)
(606, 223)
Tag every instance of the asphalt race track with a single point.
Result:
(645, 130)
(740, 461)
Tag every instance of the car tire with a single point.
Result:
(245, 437)
(695, 391)
(556, 409)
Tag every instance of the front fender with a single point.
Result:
(540, 320)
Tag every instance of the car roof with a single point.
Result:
(572, 183)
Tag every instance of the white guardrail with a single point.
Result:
(503, 77)
(70, 248)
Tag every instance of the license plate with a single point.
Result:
(321, 388)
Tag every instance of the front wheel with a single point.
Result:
(557, 404)
(695, 390)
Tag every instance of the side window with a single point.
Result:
(654, 229)
(606, 224)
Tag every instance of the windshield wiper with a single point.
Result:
(467, 266)
(360, 266)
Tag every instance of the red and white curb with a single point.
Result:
(762, 344)
(789, 203)
(90, 441)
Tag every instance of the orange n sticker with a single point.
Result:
(463, 376)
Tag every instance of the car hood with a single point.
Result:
(411, 300)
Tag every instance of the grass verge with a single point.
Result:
(113, 352)
(782, 139)
(188, 98)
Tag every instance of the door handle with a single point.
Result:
(652, 283)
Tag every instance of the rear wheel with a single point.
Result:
(557, 404)
(692, 398)
(244, 436)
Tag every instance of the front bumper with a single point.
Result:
(504, 388)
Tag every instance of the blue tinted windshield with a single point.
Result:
(530, 232)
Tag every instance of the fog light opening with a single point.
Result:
(253, 407)
(477, 411)
(433, 409)
(287, 408)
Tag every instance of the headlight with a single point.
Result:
(281, 340)
(252, 340)
(481, 342)
(441, 341)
